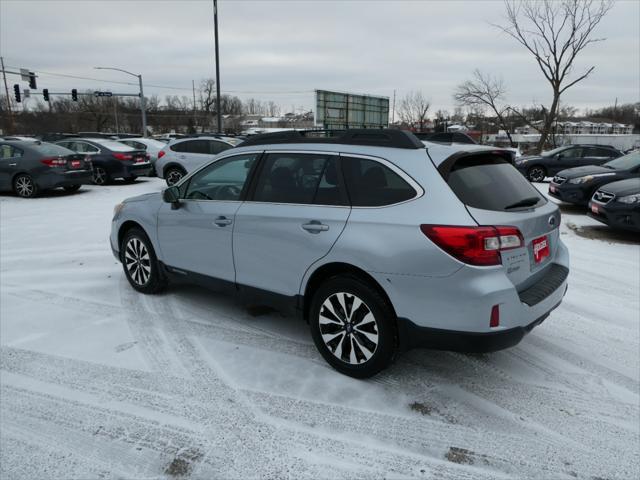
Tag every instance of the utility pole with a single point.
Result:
(195, 118)
(6, 89)
(143, 102)
(393, 111)
(215, 26)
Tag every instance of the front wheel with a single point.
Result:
(24, 186)
(536, 174)
(100, 176)
(140, 263)
(353, 326)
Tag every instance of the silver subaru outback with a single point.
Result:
(381, 242)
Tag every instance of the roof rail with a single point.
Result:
(362, 136)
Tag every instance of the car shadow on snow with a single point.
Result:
(603, 232)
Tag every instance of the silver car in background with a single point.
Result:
(149, 145)
(381, 243)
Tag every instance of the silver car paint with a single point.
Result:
(424, 283)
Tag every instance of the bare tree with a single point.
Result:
(413, 109)
(485, 91)
(555, 32)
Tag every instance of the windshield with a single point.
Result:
(624, 163)
(113, 145)
(550, 153)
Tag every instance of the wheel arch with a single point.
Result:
(333, 269)
(172, 164)
(125, 227)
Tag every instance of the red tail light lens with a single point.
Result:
(494, 320)
(161, 153)
(54, 162)
(474, 245)
(122, 156)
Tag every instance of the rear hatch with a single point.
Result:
(496, 194)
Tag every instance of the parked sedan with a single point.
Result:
(617, 204)
(577, 185)
(31, 167)
(149, 145)
(548, 164)
(110, 159)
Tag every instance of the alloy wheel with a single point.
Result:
(348, 328)
(24, 186)
(137, 261)
(173, 177)
(536, 174)
(99, 176)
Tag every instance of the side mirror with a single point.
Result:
(172, 195)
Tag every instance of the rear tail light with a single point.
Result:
(54, 162)
(122, 156)
(474, 245)
(161, 153)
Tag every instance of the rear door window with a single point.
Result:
(488, 182)
(8, 151)
(217, 147)
(373, 184)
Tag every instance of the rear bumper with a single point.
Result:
(137, 169)
(413, 336)
(617, 215)
(63, 179)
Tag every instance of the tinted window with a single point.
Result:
(222, 180)
(217, 147)
(629, 161)
(133, 144)
(299, 178)
(372, 184)
(490, 183)
(191, 146)
(112, 145)
(83, 147)
(602, 152)
(49, 149)
(572, 153)
(7, 151)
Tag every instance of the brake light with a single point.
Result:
(54, 162)
(494, 320)
(122, 156)
(474, 245)
(161, 153)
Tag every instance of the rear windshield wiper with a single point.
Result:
(525, 202)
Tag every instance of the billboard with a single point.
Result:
(339, 110)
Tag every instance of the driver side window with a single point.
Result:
(222, 180)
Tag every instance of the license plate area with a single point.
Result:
(552, 189)
(540, 249)
(595, 209)
(76, 163)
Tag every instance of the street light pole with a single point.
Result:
(215, 28)
(143, 103)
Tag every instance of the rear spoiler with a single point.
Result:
(447, 165)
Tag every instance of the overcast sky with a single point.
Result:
(283, 50)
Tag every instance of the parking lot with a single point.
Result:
(100, 381)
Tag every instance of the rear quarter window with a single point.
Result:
(488, 182)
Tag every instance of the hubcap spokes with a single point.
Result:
(98, 176)
(137, 261)
(24, 187)
(174, 177)
(348, 328)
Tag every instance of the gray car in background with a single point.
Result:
(381, 243)
(30, 167)
(149, 145)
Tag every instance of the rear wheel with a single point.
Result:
(100, 176)
(140, 263)
(71, 188)
(536, 173)
(24, 186)
(173, 175)
(353, 326)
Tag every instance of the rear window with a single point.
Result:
(112, 145)
(488, 182)
(50, 149)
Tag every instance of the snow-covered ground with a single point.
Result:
(100, 381)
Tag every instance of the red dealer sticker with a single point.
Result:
(540, 248)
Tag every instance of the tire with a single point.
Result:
(140, 263)
(24, 186)
(72, 188)
(100, 176)
(374, 317)
(130, 180)
(173, 175)
(536, 173)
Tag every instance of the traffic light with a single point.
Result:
(45, 94)
(32, 81)
(16, 91)
(74, 95)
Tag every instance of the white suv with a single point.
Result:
(184, 155)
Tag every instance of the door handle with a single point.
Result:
(222, 221)
(315, 227)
